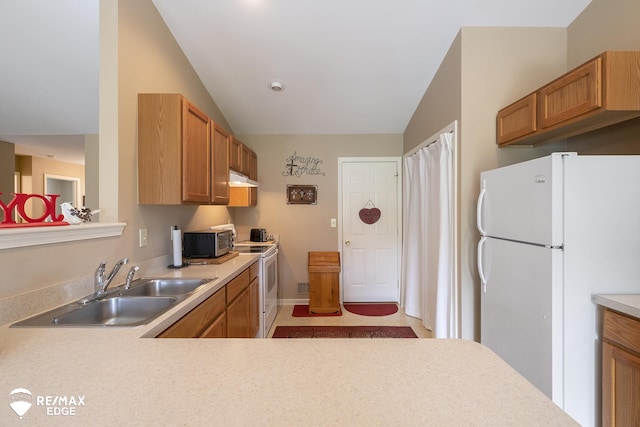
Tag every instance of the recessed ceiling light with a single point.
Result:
(276, 86)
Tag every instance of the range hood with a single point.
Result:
(239, 180)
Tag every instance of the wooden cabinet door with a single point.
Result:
(235, 154)
(621, 387)
(220, 166)
(572, 95)
(192, 324)
(245, 160)
(196, 155)
(254, 307)
(238, 316)
(159, 149)
(253, 165)
(517, 120)
(218, 328)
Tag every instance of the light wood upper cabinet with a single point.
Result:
(173, 151)
(235, 154)
(220, 161)
(182, 154)
(572, 95)
(620, 370)
(245, 161)
(598, 93)
(517, 120)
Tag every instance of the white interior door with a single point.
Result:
(370, 250)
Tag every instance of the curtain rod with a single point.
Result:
(425, 145)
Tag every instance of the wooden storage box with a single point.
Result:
(324, 282)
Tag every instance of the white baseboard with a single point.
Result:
(293, 301)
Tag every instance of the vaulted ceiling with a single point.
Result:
(347, 66)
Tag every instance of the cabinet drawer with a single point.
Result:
(197, 320)
(572, 95)
(517, 120)
(237, 285)
(622, 330)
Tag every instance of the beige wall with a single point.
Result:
(484, 70)
(151, 61)
(7, 168)
(498, 66)
(147, 60)
(33, 169)
(605, 25)
(441, 103)
(304, 228)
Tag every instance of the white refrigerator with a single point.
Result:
(556, 230)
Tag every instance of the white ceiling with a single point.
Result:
(49, 75)
(348, 66)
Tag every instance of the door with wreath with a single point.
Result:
(370, 229)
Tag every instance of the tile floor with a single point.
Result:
(284, 318)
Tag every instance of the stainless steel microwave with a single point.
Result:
(206, 243)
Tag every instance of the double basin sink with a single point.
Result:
(143, 301)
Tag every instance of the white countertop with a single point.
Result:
(125, 379)
(626, 304)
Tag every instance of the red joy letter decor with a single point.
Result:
(18, 202)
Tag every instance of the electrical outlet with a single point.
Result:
(143, 237)
(334, 223)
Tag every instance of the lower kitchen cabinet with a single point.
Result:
(238, 316)
(200, 319)
(232, 312)
(218, 328)
(620, 370)
(243, 304)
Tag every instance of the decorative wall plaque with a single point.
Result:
(369, 215)
(302, 194)
(299, 165)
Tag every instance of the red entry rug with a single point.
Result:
(302, 310)
(373, 309)
(344, 332)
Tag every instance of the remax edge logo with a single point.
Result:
(21, 401)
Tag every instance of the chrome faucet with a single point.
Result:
(100, 284)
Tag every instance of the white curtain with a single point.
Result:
(429, 290)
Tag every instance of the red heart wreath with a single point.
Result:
(370, 216)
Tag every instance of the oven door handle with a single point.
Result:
(269, 257)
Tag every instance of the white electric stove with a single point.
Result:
(268, 273)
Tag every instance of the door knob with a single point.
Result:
(347, 242)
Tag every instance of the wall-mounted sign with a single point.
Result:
(302, 194)
(298, 165)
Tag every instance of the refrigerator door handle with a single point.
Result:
(479, 211)
(483, 279)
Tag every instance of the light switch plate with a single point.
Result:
(334, 223)
(144, 237)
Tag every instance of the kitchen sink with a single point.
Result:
(129, 311)
(146, 299)
(163, 287)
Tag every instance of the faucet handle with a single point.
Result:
(101, 268)
(132, 272)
